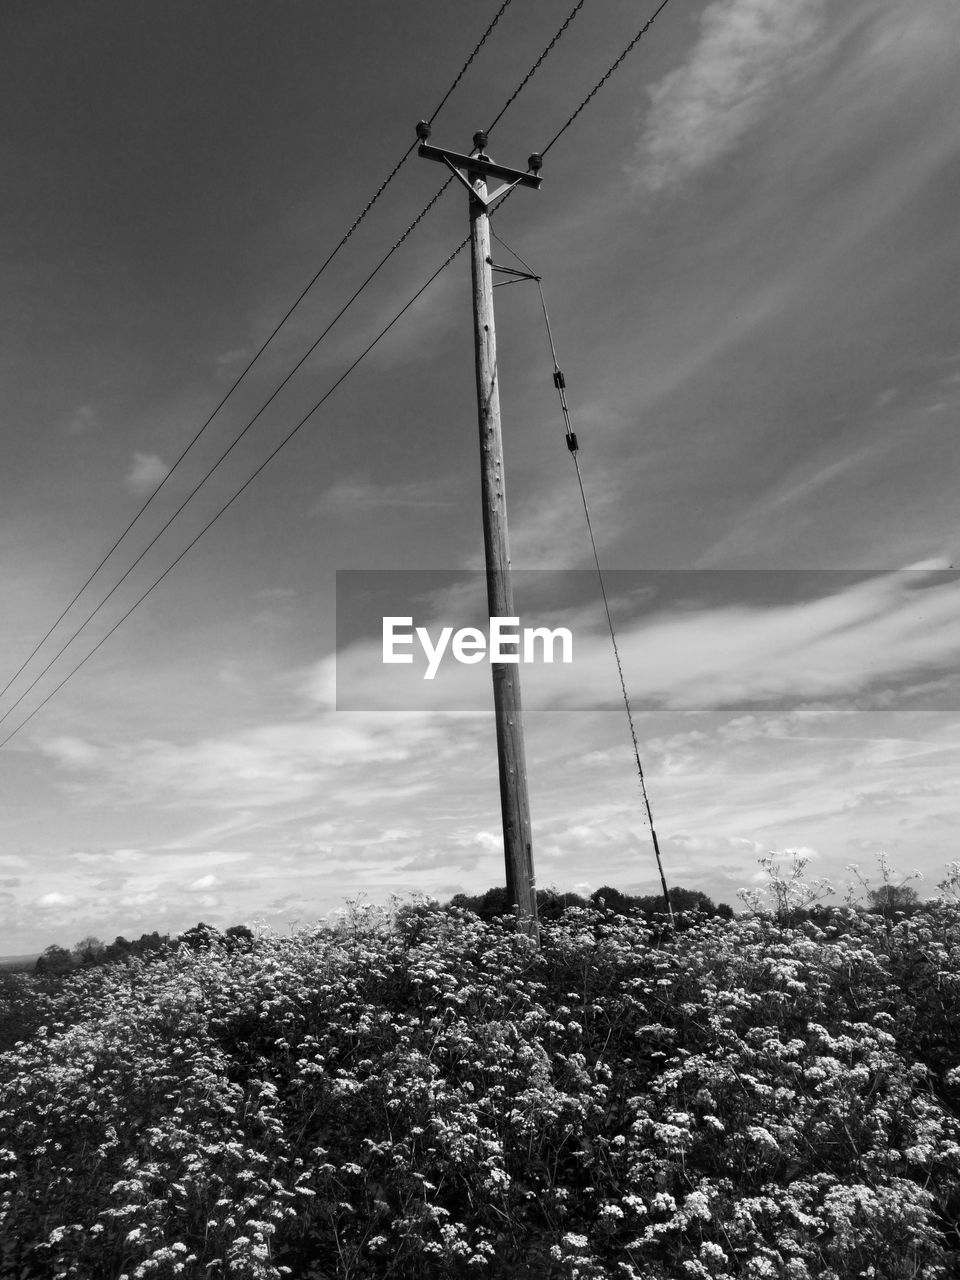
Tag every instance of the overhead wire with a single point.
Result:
(260, 350)
(606, 76)
(531, 72)
(222, 458)
(572, 446)
(536, 66)
(480, 43)
(250, 479)
(559, 381)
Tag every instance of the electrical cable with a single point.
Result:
(606, 76)
(24, 693)
(223, 456)
(480, 43)
(573, 447)
(286, 439)
(534, 68)
(286, 316)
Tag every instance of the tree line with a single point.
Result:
(887, 899)
(91, 950)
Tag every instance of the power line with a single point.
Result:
(481, 42)
(606, 76)
(573, 447)
(212, 521)
(226, 453)
(532, 71)
(282, 384)
(286, 316)
(534, 68)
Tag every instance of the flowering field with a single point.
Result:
(423, 1094)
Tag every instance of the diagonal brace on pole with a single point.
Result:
(466, 168)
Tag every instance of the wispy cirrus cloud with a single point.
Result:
(879, 634)
(747, 52)
(887, 637)
(255, 770)
(359, 497)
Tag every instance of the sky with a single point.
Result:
(748, 246)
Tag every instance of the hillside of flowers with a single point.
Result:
(421, 1093)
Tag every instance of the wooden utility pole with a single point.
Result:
(473, 171)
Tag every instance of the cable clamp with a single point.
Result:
(558, 380)
(572, 441)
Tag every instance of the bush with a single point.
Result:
(424, 1094)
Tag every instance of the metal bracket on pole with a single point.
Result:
(476, 162)
(512, 271)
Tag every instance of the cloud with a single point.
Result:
(748, 51)
(802, 490)
(893, 636)
(54, 899)
(117, 857)
(147, 471)
(443, 859)
(72, 752)
(204, 882)
(84, 419)
(540, 535)
(274, 765)
(488, 841)
(358, 497)
(786, 857)
(876, 632)
(712, 844)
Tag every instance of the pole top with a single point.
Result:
(468, 168)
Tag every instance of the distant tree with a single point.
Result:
(551, 903)
(239, 937)
(88, 950)
(609, 899)
(149, 942)
(201, 936)
(691, 900)
(117, 949)
(887, 899)
(485, 905)
(121, 948)
(652, 907)
(54, 960)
